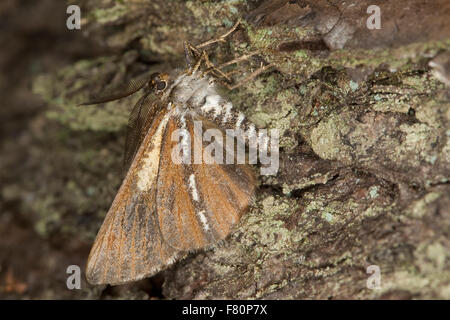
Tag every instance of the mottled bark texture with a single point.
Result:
(364, 137)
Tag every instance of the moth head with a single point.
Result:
(159, 81)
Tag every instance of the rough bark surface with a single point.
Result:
(364, 159)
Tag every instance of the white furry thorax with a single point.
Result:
(195, 92)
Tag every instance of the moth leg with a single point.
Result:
(211, 67)
(203, 57)
(217, 69)
(232, 72)
(236, 60)
(222, 37)
(194, 57)
(190, 49)
(228, 74)
(249, 77)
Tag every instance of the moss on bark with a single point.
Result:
(364, 164)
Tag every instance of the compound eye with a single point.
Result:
(160, 85)
(157, 82)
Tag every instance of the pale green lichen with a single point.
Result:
(418, 208)
(373, 191)
(269, 226)
(215, 14)
(353, 85)
(47, 214)
(326, 139)
(310, 109)
(301, 62)
(64, 92)
(328, 216)
(304, 182)
(417, 144)
(112, 14)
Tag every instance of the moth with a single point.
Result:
(165, 208)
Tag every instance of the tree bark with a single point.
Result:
(364, 138)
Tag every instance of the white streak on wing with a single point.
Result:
(150, 160)
(241, 118)
(194, 191)
(201, 214)
(193, 187)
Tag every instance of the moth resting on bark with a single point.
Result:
(165, 208)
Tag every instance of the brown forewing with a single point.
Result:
(225, 191)
(145, 231)
(129, 245)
